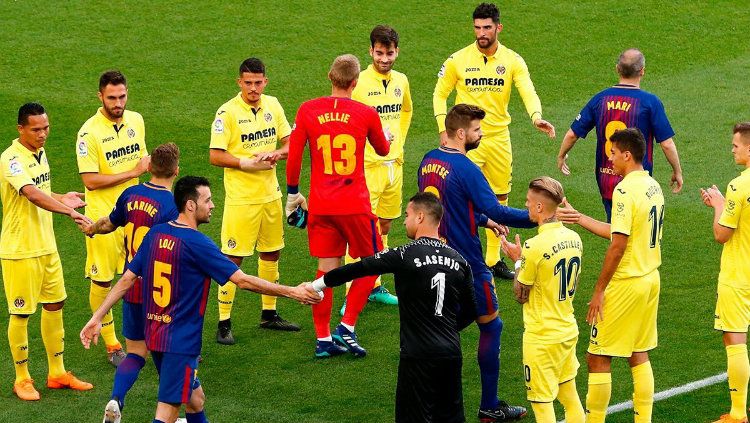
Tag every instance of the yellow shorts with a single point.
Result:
(105, 256)
(629, 323)
(546, 366)
(249, 226)
(732, 309)
(31, 281)
(494, 157)
(386, 183)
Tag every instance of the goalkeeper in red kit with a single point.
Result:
(340, 215)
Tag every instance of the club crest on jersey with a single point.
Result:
(218, 126)
(620, 207)
(730, 205)
(19, 302)
(268, 117)
(131, 133)
(82, 148)
(94, 270)
(231, 244)
(15, 167)
(500, 70)
(397, 92)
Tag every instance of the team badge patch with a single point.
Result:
(82, 148)
(15, 167)
(19, 302)
(231, 243)
(500, 70)
(620, 207)
(94, 270)
(397, 92)
(730, 205)
(268, 117)
(131, 133)
(218, 126)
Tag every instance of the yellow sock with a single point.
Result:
(348, 260)
(384, 239)
(597, 399)
(53, 336)
(226, 299)
(492, 255)
(18, 338)
(268, 270)
(738, 371)
(643, 392)
(97, 294)
(544, 412)
(568, 397)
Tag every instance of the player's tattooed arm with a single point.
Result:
(521, 291)
(101, 226)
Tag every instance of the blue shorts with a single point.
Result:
(484, 290)
(178, 376)
(132, 321)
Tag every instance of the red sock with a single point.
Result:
(322, 311)
(357, 298)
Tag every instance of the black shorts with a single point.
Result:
(429, 391)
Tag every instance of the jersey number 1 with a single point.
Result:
(438, 281)
(347, 146)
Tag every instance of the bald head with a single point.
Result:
(631, 63)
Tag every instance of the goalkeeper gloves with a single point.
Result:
(293, 201)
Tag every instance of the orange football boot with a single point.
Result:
(25, 390)
(726, 418)
(68, 381)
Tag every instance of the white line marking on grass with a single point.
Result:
(669, 393)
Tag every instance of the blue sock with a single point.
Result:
(125, 376)
(488, 356)
(158, 421)
(199, 417)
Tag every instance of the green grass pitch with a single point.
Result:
(181, 60)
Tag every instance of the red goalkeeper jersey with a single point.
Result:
(337, 129)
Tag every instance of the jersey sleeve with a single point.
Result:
(387, 261)
(586, 120)
(15, 174)
(480, 193)
(87, 153)
(446, 82)
(118, 217)
(142, 128)
(735, 201)
(406, 111)
(297, 142)
(522, 81)
(662, 128)
(212, 262)
(221, 130)
(529, 264)
(622, 212)
(375, 134)
(467, 302)
(283, 129)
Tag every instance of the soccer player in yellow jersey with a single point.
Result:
(32, 273)
(245, 138)
(482, 74)
(547, 269)
(624, 304)
(731, 225)
(111, 152)
(388, 92)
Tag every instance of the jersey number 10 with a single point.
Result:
(568, 272)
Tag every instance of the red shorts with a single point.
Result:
(329, 235)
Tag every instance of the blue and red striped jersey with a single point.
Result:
(138, 209)
(467, 199)
(177, 264)
(619, 107)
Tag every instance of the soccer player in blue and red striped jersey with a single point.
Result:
(177, 263)
(470, 203)
(624, 105)
(138, 209)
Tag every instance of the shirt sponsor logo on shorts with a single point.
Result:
(19, 302)
(231, 244)
(15, 167)
(131, 133)
(218, 126)
(82, 148)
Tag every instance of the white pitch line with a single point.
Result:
(671, 392)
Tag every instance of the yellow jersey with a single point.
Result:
(391, 97)
(485, 81)
(243, 131)
(736, 215)
(27, 229)
(106, 148)
(550, 264)
(638, 212)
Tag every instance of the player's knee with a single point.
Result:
(487, 318)
(54, 306)
(270, 256)
(493, 325)
(197, 401)
(136, 347)
(385, 226)
(102, 284)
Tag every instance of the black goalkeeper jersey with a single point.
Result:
(435, 294)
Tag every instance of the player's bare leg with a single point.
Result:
(738, 374)
(268, 269)
(493, 258)
(600, 387)
(166, 413)
(98, 291)
(379, 293)
(492, 409)
(226, 294)
(194, 409)
(325, 347)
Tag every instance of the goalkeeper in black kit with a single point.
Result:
(436, 300)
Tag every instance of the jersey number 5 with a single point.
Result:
(162, 286)
(347, 147)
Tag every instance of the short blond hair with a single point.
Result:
(344, 70)
(743, 128)
(549, 188)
